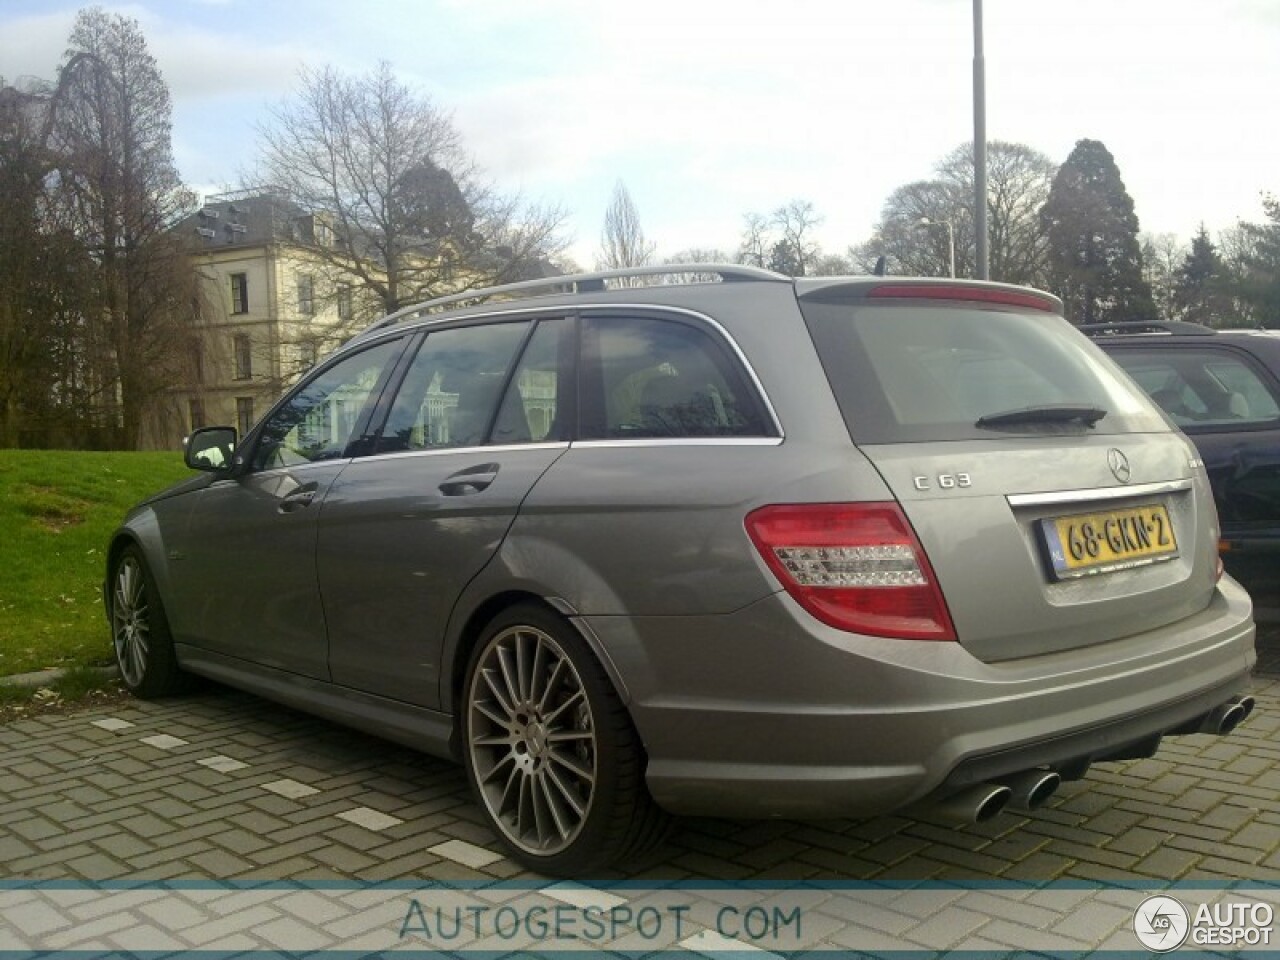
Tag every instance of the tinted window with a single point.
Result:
(535, 408)
(648, 378)
(1201, 387)
(450, 394)
(319, 420)
(908, 372)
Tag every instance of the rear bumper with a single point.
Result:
(767, 713)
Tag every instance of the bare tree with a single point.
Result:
(1162, 257)
(912, 233)
(753, 249)
(409, 213)
(117, 192)
(782, 241)
(623, 243)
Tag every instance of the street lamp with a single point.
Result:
(951, 239)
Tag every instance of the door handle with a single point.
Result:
(470, 480)
(300, 498)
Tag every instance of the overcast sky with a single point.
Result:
(709, 110)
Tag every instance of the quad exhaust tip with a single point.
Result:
(1225, 718)
(1030, 790)
(976, 804)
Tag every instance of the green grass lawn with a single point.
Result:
(57, 510)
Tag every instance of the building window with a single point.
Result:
(195, 407)
(239, 293)
(306, 296)
(244, 414)
(344, 302)
(307, 352)
(197, 363)
(244, 357)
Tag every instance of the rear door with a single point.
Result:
(405, 529)
(1056, 506)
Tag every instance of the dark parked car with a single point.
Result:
(1222, 387)
(752, 547)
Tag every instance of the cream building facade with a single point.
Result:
(271, 307)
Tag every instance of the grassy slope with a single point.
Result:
(57, 510)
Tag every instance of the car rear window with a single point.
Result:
(907, 372)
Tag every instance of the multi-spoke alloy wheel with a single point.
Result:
(532, 741)
(139, 630)
(551, 753)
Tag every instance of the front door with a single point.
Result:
(245, 566)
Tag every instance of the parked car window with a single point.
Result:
(318, 422)
(536, 402)
(649, 378)
(1201, 388)
(451, 391)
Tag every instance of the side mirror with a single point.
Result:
(209, 448)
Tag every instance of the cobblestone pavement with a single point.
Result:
(222, 785)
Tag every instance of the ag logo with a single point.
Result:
(1161, 923)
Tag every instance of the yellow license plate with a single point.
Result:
(1090, 543)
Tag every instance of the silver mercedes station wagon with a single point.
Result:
(705, 540)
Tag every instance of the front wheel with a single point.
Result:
(551, 754)
(140, 631)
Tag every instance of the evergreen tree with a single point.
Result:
(1198, 294)
(1095, 263)
(1259, 283)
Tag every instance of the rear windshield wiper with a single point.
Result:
(1049, 413)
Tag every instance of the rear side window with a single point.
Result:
(1201, 387)
(916, 372)
(652, 378)
(450, 393)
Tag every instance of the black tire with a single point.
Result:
(140, 631)
(557, 768)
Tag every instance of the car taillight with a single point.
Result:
(854, 566)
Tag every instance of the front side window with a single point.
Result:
(651, 378)
(320, 419)
(450, 394)
(239, 293)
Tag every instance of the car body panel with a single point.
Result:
(398, 542)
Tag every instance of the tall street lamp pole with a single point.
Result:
(951, 239)
(980, 145)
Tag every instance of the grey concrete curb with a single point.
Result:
(42, 678)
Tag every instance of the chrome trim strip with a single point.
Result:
(476, 450)
(1103, 493)
(680, 442)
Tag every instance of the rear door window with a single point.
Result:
(908, 372)
(659, 378)
(450, 393)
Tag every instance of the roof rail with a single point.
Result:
(577, 283)
(1124, 328)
